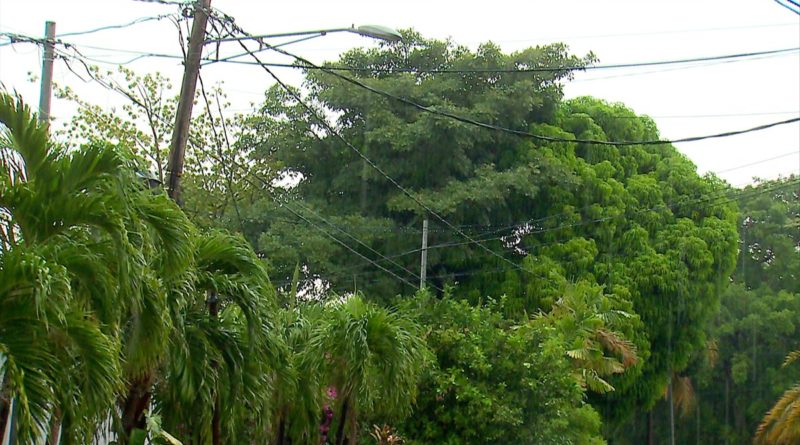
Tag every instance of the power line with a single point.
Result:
(711, 202)
(483, 271)
(473, 241)
(286, 205)
(526, 224)
(522, 133)
(709, 115)
(522, 69)
(311, 66)
(791, 153)
(508, 227)
(648, 33)
(676, 68)
(294, 212)
(120, 26)
(791, 6)
(382, 257)
(364, 157)
(167, 2)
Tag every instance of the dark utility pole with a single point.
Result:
(180, 133)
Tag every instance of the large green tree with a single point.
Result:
(636, 220)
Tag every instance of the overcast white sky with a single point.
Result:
(684, 102)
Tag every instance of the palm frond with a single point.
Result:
(27, 135)
(781, 425)
(791, 358)
(615, 343)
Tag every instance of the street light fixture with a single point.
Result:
(378, 32)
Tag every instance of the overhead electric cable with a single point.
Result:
(382, 256)
(120, 26)
(522, 133)
(645, 33)
(309, 65)
(168, 2)
(723, 195)
(710, 202)
(484, 271)
(286, 205)
(545, 69)
(792, 6)
(333, 131)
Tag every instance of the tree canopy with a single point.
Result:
(574, 287)
(635, 220)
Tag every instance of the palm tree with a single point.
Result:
(220, 359)
(297, 398)
(781, 425)
(157, 284)
(589, 322)
(374, 358)
(59, 223)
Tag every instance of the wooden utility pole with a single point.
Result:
(423, 266)
(140, 391)
(183, 115)
(46, 89)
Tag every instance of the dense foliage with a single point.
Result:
(740, 375)
(603, 296)
(635, 220)
(514, 377)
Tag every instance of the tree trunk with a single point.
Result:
(281, 430)
(727, 405)
(216, 423)
(342, 422)
(671, 410)
(650, 428)
(136, 402)
(5, 404)
(5, 409)
(353, 426)
(697, 409)
(54, 436)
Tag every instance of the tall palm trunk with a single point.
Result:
(136, 402)
(216, 423)
(54, 436)
(671, 410)
(727, 405)
(353, 426)
(280, 440)
(5, 410)
(342, 421)
(651, 437)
